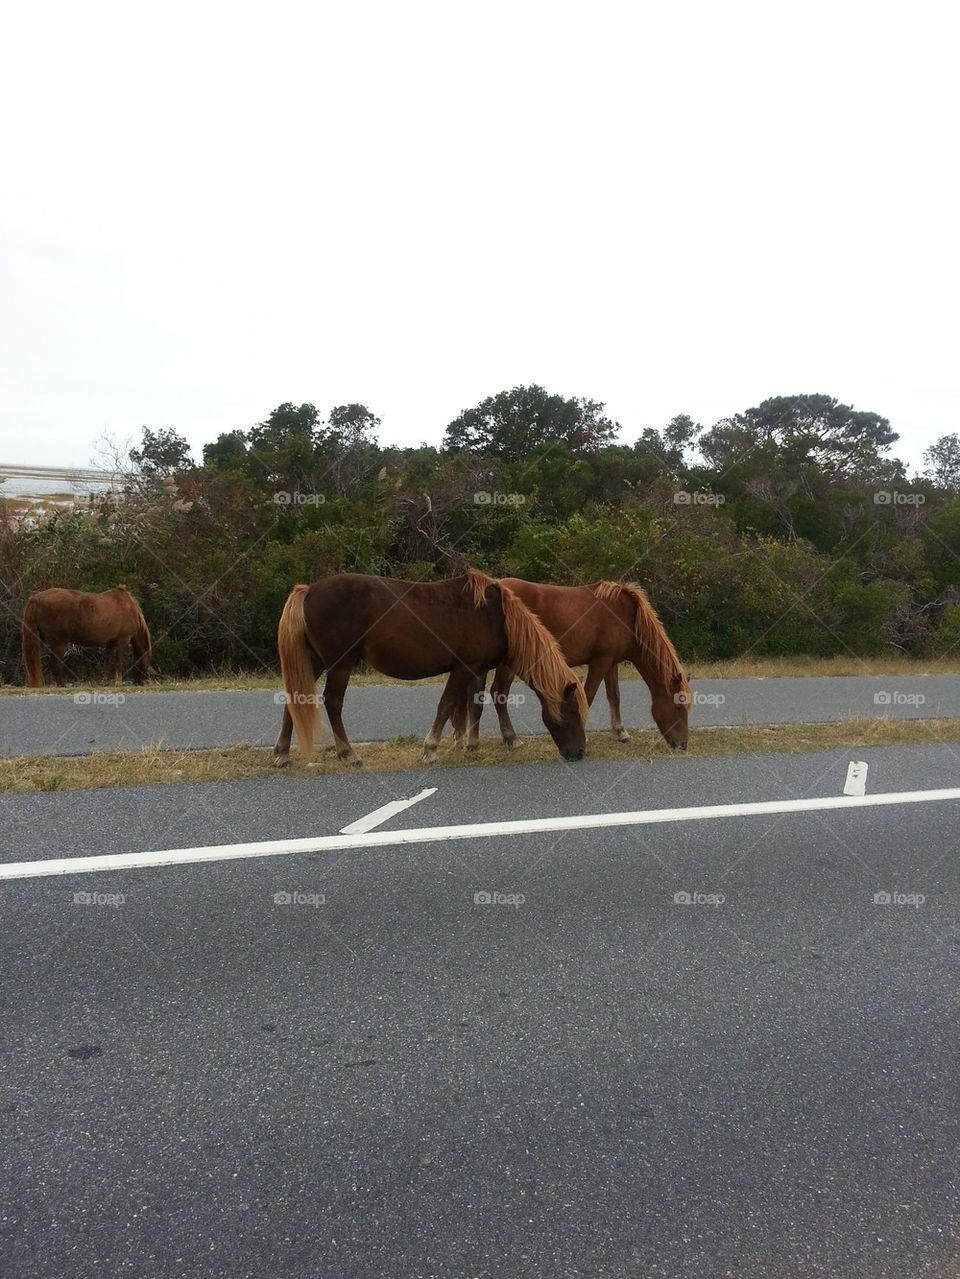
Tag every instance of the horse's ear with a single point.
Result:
(677, 682)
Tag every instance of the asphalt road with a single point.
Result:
(396, 1081)
(81, 721)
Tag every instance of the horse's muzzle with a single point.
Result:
(573, 756)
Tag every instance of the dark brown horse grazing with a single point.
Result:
(600, 626)
(57, 618)
(412, 630)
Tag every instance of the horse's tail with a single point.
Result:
(534, 654)
(30, 644)
(296, 664)
(142, 643)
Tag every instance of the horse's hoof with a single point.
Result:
(623, 735)
(513, 743)
(281, 761)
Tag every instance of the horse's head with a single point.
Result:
(568, 728)
(670, 707)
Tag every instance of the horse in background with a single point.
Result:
(56, 618)
(600, 626)
(463, 626)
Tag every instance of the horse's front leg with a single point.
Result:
(612, 683)
(338, 677)
(113, 663)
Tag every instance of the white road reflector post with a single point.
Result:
(856, 783)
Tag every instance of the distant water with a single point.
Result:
(42, 481)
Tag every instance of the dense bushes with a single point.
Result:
(793, 558)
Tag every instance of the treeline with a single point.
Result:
(783, 530)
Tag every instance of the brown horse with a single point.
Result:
(412, 630)
(600, 626)
(58, 618)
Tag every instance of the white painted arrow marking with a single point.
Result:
(380, 815)
(856, 783)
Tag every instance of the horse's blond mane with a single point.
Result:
(478, 583)
(536, 656)
(648, 629)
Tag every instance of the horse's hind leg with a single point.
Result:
(500, 692)
(281, 751)
(466, 717)
(454, 694)
(338, 677)
(612, 684)
(475, 701)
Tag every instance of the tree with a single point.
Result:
(228, 452)
(351, 424)
(516, 425)
(282, 450)
(161, 453)
(943, 463)
(803, 429)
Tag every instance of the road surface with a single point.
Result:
(376, 1075)
(84, 720)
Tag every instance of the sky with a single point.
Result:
(209, 209)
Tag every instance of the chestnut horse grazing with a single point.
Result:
(463, 626)
(58, 618)
(600, 626)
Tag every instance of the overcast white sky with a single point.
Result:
(209, 208)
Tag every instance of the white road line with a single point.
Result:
(380, 815)
(481, 830)
(856, 783)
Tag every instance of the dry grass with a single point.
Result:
(157, 767)
(735, 668)
(218, 681)
(780, 667)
